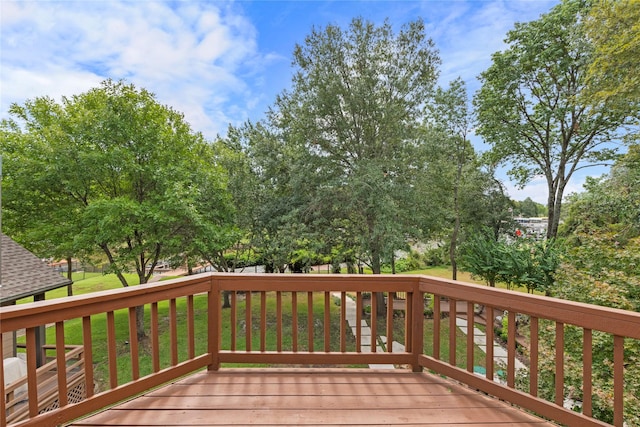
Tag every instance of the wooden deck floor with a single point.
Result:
(313, 397)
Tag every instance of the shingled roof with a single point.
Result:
(24, 274)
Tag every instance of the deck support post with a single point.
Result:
(417, 327)
(215, 324)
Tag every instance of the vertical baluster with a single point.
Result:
(173, 328)
(294, 321)
(358, 322)
(61, 365)
(533, 357)
(327, 321)
(587, 381)
(133, 344)
(408, 321)
(155, 337)
(559, 364)
(310, 322)
(343, 321)
(374, 321)
(87, 342)
(452, 331)
(111, 350)
(32, 365)
(233, 320)
(470, 333)
(247, 320)
(214, 322)
(191, 331)
(279, 321)
(417, 319)
(263, 321)
(490, 338)
(3, 394)
(390, 321)
(511, 349)
(618, 381)
(436, 327)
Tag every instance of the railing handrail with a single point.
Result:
(35, 314)
(605, 319)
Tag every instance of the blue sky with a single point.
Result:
(224, 62)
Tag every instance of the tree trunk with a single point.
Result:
(226, 301)
(140, 323)
(393, 264)
(452, 248)
(69, 276)
(456, 225)
(140, 311)
(381, 308)
(554, 205)
(551, 205)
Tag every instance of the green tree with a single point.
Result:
(353, 113)
(36, 213)
(484, 256)
(277, 205)
(531, 107)
(532, 263)
(602, 233)
(529, 209)
(602, 228)
(128, 171)
(451, 116)
(614, 28)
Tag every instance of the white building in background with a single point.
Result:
(533, 227)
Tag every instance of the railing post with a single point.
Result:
(215, 326)
(417, 326)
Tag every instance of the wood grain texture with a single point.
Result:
(312, 397)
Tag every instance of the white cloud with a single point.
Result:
(537, 189)
(189, 54)
(470, 32)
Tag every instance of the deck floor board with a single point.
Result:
(312, 397)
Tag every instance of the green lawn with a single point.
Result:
(445, 273)
(84, 283)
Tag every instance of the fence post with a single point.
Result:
(417, 326)
(215, 324)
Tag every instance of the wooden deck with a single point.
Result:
(313, 397)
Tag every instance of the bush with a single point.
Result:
(436, 257)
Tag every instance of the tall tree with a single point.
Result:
(451, 116)
(127, 170)
(357, 99)
(531, 107)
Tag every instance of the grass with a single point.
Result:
(445, 273)
(84, 283)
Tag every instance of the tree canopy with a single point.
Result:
(532, 110)
(112, 171)
(352, 117)
(614, 28)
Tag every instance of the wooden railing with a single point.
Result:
(302, 320)
(50, 394)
